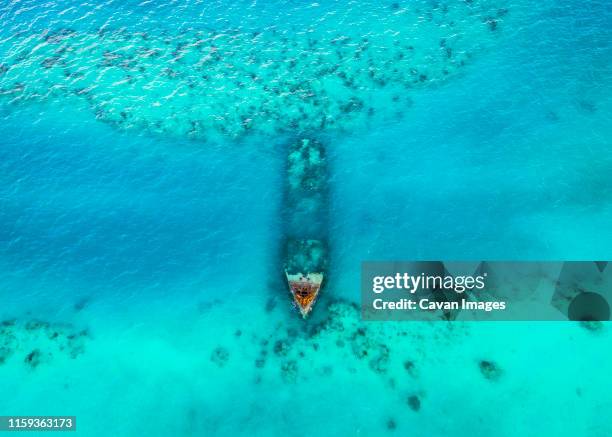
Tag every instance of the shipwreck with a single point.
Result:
(305, 247)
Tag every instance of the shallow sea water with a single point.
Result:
(140, 264)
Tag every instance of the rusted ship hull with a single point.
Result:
(305, 290)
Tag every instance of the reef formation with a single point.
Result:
(338, 71)
(298, 351)
(35, 342)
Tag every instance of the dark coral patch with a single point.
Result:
(220, 356)
(289, 370)
(410, 367)
(281, 348)
(490, 370)
(33, 359)
(414, 402)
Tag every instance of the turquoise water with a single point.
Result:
(139, 252)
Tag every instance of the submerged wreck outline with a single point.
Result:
(305, 247)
